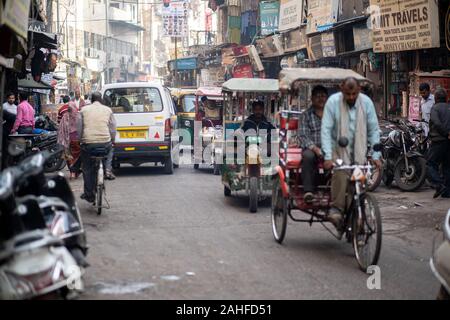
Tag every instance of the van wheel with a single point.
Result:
(168, 166)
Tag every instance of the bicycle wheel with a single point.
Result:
(367, 232)
(99, 199)
(279, 213)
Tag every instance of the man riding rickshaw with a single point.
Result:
(208, 131)
(250, 106)
(336, 192)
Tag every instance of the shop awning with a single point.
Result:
(29, 83)
(44, 39)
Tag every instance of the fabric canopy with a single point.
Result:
(251, 85)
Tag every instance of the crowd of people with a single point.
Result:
(82, 125)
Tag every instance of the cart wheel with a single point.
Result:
(227, 191)
(279, 214)
(367, 233)
(253, 203)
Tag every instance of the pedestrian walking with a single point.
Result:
(439, 154)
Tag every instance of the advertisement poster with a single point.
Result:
(328, 45)
(175, 19)
(290, 14)
(414, 108)
(404, 25)
(243, 71)
(269, 13)
(322, 15)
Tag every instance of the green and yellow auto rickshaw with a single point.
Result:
(185, 101)
(249, 163)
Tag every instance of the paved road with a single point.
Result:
(178, 237)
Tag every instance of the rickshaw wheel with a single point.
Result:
(253, 201)
(367, 233)
(227, 191)
(279, 213)
(216, 169)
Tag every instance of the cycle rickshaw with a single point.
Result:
(246, 170)
(362, 219)
(207, 139)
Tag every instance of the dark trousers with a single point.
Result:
(439, 154)
(25, 130)
(89, 167)
(309, 171)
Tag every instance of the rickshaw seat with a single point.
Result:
(294, 157)
(293, 123)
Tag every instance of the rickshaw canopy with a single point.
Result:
(251, 85)
(178, 93)
(209, 91)
(289, 76)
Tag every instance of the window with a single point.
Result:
(134, 100)
(189, 103)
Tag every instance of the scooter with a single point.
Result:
(33, 263)
(440, 262)
(58, 205)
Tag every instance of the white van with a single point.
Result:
(144, 112)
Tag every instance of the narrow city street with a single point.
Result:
(178, 237)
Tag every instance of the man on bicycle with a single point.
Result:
(97, 128)
(350, 114)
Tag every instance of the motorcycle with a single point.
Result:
(440, 262)
(23, 146)
(33, 262)
(403, 162)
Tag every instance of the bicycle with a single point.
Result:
(99, 155)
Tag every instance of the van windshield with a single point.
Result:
(133, 100)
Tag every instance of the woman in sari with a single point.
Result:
(69, 139)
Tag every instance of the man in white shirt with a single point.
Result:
(9, 104)
(425, 105)
(79, 100)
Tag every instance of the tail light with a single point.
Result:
(168, 128)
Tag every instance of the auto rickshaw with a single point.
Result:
(362, 219)
(208, 136)
(185, 101)
(248, 169)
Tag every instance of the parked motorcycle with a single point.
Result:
(33, 262)
(440, 262)
(402, 161)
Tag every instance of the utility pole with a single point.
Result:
(57, 18)
(50, 16)
(176, 63)
(107, 49)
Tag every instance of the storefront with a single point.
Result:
(183, 72)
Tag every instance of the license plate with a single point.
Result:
(133, 134)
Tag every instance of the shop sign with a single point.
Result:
(295, 40)
(362, 37)
(243, 71)
(269, 13)
(291, 12)
(15, 16)
(328, 45)
(322, 15)
(404, 25)
(270, 46)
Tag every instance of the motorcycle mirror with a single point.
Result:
(343, 142)
(378, 147)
